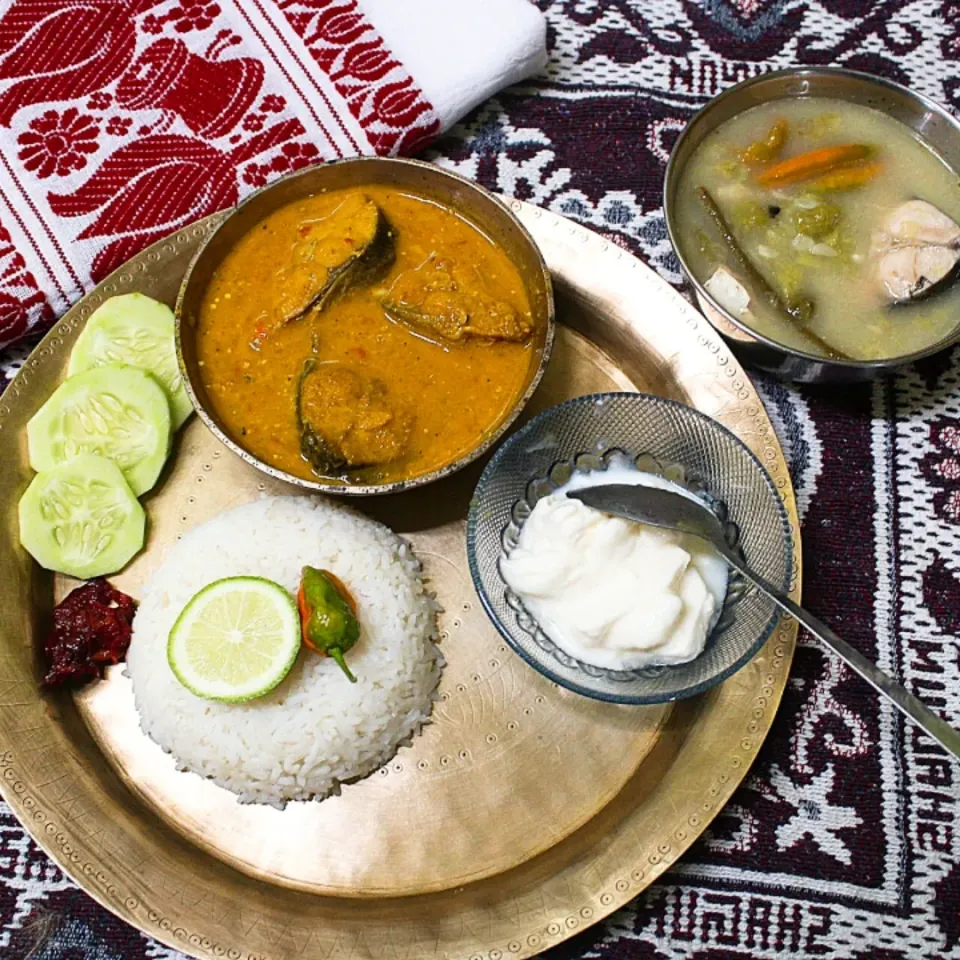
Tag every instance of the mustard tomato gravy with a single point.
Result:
(365, 335)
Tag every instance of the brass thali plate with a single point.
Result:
(521, 815)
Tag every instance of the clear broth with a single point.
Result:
(851, 312)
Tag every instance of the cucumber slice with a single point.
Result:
(114, 411)
(138, 331)
(81, 518)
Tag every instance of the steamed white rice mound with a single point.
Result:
(316, 728)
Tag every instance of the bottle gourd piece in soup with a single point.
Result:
(364, 335)
(826, 226)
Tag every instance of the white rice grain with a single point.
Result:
(316, 729)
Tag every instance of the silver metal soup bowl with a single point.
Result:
(931, 122)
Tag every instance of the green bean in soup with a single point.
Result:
(826, 226)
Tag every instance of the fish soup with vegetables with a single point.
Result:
(365, 336)
(826, 226)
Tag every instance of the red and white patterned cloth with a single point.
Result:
(122, 120)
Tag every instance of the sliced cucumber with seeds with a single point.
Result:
(136, 330)
(113, 411)
(81, 518)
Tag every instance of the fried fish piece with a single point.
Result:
(347, 420)
(448, 301)
(352, 247)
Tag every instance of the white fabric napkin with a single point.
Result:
(462, 51)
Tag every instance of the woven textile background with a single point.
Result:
(844, 841)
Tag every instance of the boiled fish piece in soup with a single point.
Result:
(910, 273)
(916, 250)
(347, 420)
(352, 247)
(447, 300)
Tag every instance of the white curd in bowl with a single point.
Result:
(611, 592)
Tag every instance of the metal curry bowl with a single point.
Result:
(469, 199)
(928, 119)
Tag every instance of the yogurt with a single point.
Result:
(611, 592)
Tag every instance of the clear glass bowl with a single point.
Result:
(660, 436)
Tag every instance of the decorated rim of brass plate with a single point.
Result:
(73, 804)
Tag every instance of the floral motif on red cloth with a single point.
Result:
(393, 112)
(118, 126)
(55, 50)
(292, 156)
(186, 16)
(101, 100)
(58, 143)
(22, 303)
(150, 187)
(271, 103)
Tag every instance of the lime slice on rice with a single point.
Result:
(235, 640)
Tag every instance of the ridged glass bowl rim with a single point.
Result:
(473, 522)
(737, 585)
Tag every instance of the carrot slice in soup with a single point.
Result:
(813, 164)
(847, 178)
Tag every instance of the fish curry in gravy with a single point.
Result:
(364, 335)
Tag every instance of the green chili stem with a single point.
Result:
(337, 655)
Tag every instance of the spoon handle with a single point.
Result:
(913, 708)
